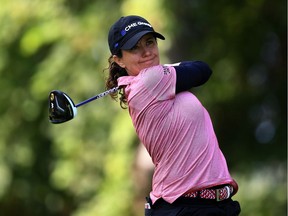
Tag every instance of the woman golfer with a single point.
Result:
(191, 176)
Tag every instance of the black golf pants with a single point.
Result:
(194, 207)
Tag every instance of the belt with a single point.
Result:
(218, 194)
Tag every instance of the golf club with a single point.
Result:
(62, 107)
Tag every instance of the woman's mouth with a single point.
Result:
(148, 62)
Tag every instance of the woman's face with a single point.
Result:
(143, 55)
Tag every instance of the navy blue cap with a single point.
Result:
(127, 31)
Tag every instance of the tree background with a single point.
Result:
(87, 166)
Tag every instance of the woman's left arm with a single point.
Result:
(191, 74)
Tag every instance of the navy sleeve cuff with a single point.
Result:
(191, 74)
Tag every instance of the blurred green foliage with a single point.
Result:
(84, 167)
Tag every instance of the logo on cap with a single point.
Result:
(123, 32)
(135, 24)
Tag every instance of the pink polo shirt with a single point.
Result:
(177, 132)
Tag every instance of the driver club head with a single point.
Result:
(61, 107)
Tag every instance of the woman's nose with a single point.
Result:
(146, 51)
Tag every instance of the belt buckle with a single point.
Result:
(218, 195)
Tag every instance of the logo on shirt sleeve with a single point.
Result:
(166, 70)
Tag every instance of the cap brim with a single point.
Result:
(134, 40)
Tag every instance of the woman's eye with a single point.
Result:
(150, 42)
(135, 47)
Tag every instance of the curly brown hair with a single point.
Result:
(115, 71)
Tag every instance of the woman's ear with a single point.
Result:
(118, 61)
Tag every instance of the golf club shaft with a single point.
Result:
(97, 96)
